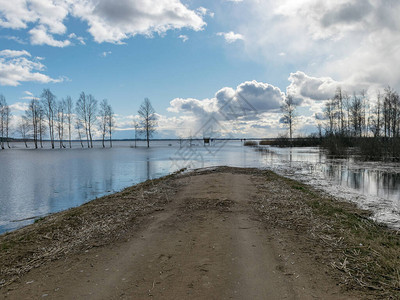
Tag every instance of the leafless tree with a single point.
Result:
(81, 115)
(32, 116)
(79, 128)
(103, 114)
(375, 119)
(340, 110)
(91, 115)
(356, 113)
(111, 121)
(148, 120)
(7, 116)
(3, 105)
(329, 111)
(42, 125)
(137, 131)
(60, 120)
(86, 108)
(49, 106)
(23, 129)
(288, 109)
(69, 111)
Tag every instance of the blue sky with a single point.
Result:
(190, 56)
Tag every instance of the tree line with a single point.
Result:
(370, 126)
(58, 120)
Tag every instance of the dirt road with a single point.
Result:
(208, 243)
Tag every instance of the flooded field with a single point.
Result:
(372, 185)
(35, 183)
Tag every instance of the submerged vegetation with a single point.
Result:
(250, 143)
(363, 254)
(356, 124)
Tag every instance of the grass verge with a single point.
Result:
(363, 254)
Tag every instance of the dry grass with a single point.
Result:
(93, 224)
(361, 253)
(250, 143)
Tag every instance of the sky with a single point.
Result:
(209, 67)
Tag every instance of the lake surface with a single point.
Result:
(34, 183)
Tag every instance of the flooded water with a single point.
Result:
(371, 185)
(34, 183)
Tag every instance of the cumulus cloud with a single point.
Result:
(254, 96)
(231, 37)
(18, 66)
(40, 36)
(107, 21)
(311, 88)
(251, 103)
(263, 97)
(355, 42)
(183, 37)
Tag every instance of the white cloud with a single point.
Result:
(183, 37)
(80, 39)
(106, 53)
(108, 21)
(311, 88)
(40, 36)
(354, 41)
(17, 66)
(230, 36)
(14, 38)
(19, 106)
(232, 110)
(205, 12)
(13, 53)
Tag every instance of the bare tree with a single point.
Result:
(69, 111)
(288, 109)
(340, 110)
(110, 120)
(49, 105)
(86, 108)
(329, 111)
(137, 131)
(103, 114)
(148, 120)
(42, 125)
(81, 116)
(91, 111)
(60, 119)
(3, 105)
(375, 119)
(7, 115)
(78, 127)
(23, 129)
(32, 116)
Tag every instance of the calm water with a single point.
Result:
(34, 183)
(372, 185)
